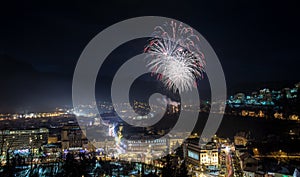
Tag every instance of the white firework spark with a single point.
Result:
(175, 54)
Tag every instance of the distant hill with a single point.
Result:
(248, 87)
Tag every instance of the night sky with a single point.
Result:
(40, 43)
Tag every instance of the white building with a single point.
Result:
(206, 156)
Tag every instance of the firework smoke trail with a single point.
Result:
(174, 53)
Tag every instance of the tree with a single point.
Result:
(167, 169)
(183, 172)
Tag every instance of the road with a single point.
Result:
(229, 165)
(278, 156)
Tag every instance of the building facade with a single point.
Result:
(23, 139)
(205, 156)
(73, 138)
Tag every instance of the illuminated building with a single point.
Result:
(278, 115)
(240, 139)
(287, 92)
(276, 95)
(166, 144)
(294, 117)
(239, 98)
(52, 139)
(97, 121)
(134, 145)
(261, 113)
(53, 151)
(291, 93)
(72, 137)
(24, 139)
(174, 142)
(106, 145)
(251, 113)
(205, 156)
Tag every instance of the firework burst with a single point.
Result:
(174, 54)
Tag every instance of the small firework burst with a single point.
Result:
(174, 54)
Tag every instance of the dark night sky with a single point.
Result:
(40, 43)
